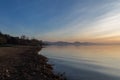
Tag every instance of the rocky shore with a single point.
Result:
(24, 63)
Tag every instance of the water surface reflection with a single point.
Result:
(85, 62)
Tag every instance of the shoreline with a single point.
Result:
(24, 63)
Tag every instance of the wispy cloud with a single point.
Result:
(90, 23)
(70, 20)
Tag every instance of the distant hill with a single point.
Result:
(62, 43)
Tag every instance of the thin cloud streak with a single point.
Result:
(104, 25)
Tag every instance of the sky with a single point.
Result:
(62, 20)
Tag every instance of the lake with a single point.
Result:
(85, 62)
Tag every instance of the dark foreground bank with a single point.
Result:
(23, 63)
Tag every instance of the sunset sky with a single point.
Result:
(62, 20)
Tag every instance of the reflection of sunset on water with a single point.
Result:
(99, 58)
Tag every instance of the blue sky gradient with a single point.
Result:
(65, 20)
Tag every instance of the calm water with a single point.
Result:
(85, 62)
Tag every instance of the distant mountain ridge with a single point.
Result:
(62, 43)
